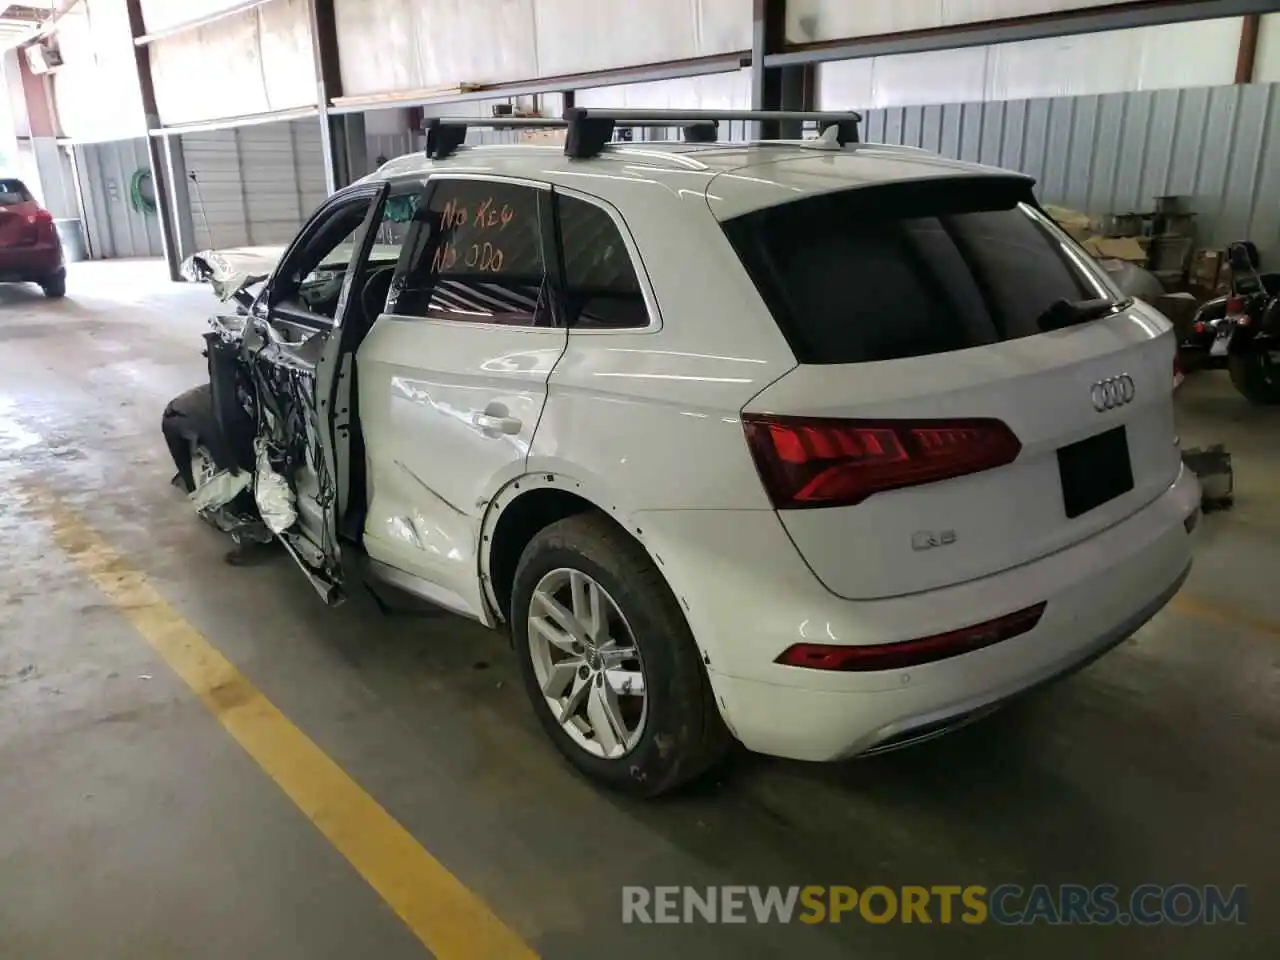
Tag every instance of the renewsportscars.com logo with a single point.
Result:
(1007, 904)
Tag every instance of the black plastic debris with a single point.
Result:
(1217, 482)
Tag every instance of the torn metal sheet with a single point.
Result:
(230, 271)
(219, 490)
(272, 493)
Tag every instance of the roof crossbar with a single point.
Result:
(594, 126)
(589, 129)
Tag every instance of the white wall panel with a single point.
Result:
(1266, 68)
(96, 90)
(253, 185)
(579, 35)
(445, 43)
(253, 62)
(284, 34)
(216, 191)
(1147, 58)
(834, 19)
(112, 227)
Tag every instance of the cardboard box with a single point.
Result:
(1207, 268)
(1117, 248)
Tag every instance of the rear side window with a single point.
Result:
(13, 191)
(908, 270)
(478, 257)
(601, 287)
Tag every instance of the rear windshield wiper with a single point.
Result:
(1067, 313)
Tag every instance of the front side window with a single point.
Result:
(478, 257)
(313, 277)
(601, 286)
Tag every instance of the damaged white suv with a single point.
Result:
(825, 446)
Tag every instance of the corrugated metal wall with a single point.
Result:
(113, 227)
(253, 185)
(1115, 153)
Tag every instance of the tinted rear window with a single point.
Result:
(13, 191)
(907, 270)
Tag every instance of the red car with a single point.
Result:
(30, 251)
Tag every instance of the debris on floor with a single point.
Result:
(1212, 465)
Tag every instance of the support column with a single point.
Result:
(175, 168)
(351, 153)
(155, 153)
(777, 88)
(346, 151)
(1248, 52)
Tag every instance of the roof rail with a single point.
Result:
(589, 129)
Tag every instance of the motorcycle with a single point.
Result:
(1240, 332)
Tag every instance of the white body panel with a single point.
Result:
(426, 388)
(651, 416)
(749, 596)
(1040, 387)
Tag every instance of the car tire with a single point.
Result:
(679, 733)
(55, 288)
(1256, 378)
(191, 433)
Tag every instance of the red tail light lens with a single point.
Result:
(1235, 305)
(911, 653)
(805, 462)
(40, 216)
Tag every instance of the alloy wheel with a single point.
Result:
(587, 664)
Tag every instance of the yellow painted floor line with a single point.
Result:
(1207, 610)
(447, 917)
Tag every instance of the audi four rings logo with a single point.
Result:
(1112, 392)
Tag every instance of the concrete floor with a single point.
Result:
(132, 826)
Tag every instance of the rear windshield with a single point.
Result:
(13, 191)
(907, 270)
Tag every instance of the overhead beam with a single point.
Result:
(700, 66)
(195, 23)
(232, 123)
(155, 155)
(1121, 16)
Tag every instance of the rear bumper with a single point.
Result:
(1098, 592)
(37, 262)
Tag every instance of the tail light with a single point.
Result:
(806, 462)
(38, 228)
(911, 653)
(1235, 305)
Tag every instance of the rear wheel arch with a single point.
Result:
(527, 505)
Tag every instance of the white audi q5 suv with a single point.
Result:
(823, 446)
